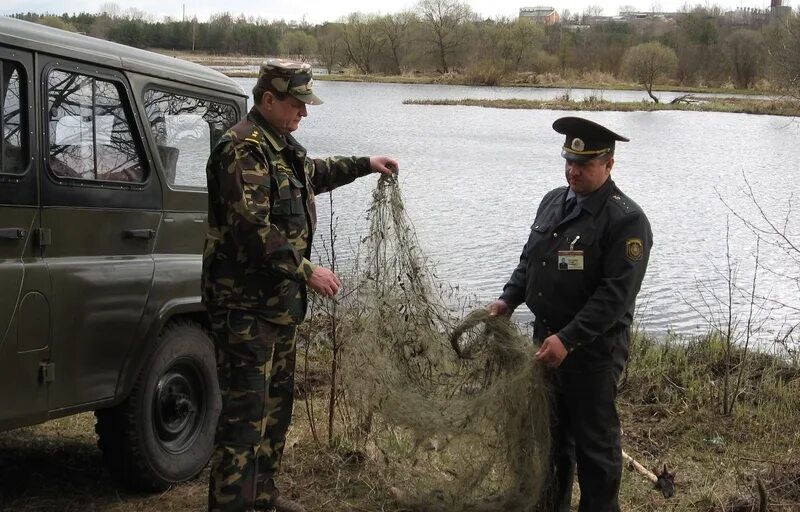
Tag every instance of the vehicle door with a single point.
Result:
(24, 317)
(185, 125)
(101, 208)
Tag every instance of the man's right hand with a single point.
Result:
(499, 308)
(324, 282)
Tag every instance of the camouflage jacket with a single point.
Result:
(261, 219)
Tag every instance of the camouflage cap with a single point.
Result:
(290, 77)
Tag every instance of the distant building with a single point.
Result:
(747, 16)
(779, 11)
(634, 16)
(544, 15)
(754, 17)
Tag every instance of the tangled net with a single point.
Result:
(454, 433)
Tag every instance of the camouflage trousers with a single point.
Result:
(255, 364)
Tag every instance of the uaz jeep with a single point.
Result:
(102, 223)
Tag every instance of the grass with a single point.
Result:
(668, 401)
(577, 83)
(778, 107)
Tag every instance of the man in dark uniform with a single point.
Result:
(579, 273)
(256, 269)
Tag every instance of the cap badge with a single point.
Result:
(577, 144)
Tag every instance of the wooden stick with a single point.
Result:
(638, 467)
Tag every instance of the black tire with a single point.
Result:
(163, 433)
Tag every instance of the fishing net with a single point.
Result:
(452, 432)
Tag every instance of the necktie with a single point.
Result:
(569, 205)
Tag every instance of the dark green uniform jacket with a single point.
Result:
(261, 219)
(587, 308)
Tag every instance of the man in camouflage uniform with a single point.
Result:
(256, 270)
(579, 273)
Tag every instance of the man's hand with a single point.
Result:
(499, 308)
(384, 165)
(552, 352)
(324, 282)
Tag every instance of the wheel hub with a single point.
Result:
(175, 407)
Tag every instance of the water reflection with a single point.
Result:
(472, 178)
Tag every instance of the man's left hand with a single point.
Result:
(384, 165)
(552, 352)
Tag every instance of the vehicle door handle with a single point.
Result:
(145, 234)
(12, 233)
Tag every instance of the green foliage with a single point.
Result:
(53, 21)
(299, 45)
(686, 376)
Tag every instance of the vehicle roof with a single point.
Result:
(27, 35)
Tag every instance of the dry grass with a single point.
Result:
(781, 107)
(56, 467)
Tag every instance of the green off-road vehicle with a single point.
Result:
(102, 222)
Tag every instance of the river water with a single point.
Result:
(472, 178)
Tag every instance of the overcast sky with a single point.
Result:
(318, 11)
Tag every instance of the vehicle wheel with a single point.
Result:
(163, 433)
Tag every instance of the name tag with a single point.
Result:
(570, 260)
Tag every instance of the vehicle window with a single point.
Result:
(185, 130)
(89, 130)
(13, 121)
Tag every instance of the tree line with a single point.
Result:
(701, 46)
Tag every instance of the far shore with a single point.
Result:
(228, 65)
(243, 66)
(467, 81)
(776, 107)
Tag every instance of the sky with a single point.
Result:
(319, 11)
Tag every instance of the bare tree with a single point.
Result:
(444, 21)
(784, 52)
(362, 40)
(511, 41)
(745, 50)
(330, 45)
(395, 30)
(780, 235)
(110, 9)
(591, 12)
(299, 45)
(647, 62)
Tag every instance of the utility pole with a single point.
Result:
(184, 13)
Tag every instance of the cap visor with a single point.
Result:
(309, 99)
(577, 158)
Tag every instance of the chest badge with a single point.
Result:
(634, 249)
(570, 260)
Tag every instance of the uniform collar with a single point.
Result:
(595, 200)
(274, 138)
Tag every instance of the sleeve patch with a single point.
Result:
(634, 249)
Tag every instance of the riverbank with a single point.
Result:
(235, 66)
(671, 401)
(775, 107)
(590, 81)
